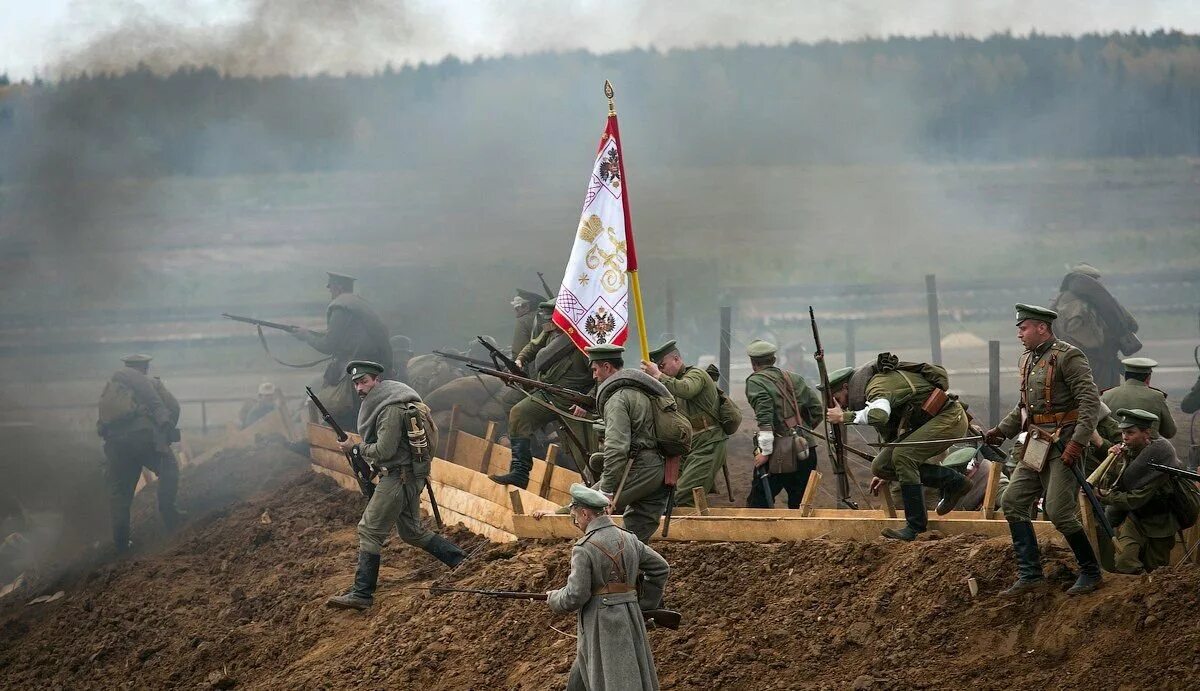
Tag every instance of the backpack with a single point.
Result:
(729, 415)
(1184, 502)
(117, 405)
(672, 431)
(425, 420)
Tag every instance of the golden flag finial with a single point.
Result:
(608, 91)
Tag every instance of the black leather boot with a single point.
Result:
(915, 517)
(445, 551)
(362, 593)
(1089, 569)
(522, 464)
(1029, 560)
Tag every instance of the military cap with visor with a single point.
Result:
(1139, 365)
(1035, 313)
(358, 369)
(547, 306)
(582, 495)
(838, 377)
(1135, 417)
(606, 352)
(137, 359)
(663, 350)
(760, 348)
(1085, 269)
(339, 280)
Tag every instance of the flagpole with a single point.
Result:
(635, 285)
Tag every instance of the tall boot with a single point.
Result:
(1089, 569)
(1029, 559)
(445, 551)
(953, 484)
(522, 464)
(362, 593)
(916, 520)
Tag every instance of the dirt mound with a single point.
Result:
(237, 600)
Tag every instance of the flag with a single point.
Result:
(593, 299)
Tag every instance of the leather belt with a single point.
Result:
(614, 589)
(1057, 419)
(697, 428)
(385, 471)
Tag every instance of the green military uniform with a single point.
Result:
(1134, 393)
(1137, 503)
(696, 395)
(139, 437)
(775, 396)
(1191, 402)
(383, 423)
(890, 396)
(1058, 400)
(552, 358)
(525, 308)
(353, 331)
(631, 466)
(1090, 318)
(613, 578)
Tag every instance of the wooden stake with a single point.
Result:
(489, 436)
(452, 434)
(701, 500)
(810, 491)
(889, 508)
(514, 497)
(551, 468)
(989, 493)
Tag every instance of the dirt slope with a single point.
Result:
(236, 601)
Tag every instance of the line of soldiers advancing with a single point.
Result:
(1055, 421)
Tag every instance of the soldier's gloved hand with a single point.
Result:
(994, 436)
(1072, 453)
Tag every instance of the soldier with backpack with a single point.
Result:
(699, 399)
(137, 421)
(1139, 502)
(642, 428)
(781, 401)
(906, 402)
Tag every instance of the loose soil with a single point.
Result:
(236, 599)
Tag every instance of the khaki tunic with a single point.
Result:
(397, 498)
(1133, 393)
(629, 434)
(1079, 323)
(696, 395)
(611, 650)
(1145, 528)
(763, 392)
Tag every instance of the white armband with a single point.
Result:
(766, 442)
(860, 418)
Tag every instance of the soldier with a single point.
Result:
(1136, 393)
(137, 421)
(353, 331)
(401, 353)
(906, 402)
(1092, 320)
(554, 359)
(1191, 402)
(781, 401)
(1138, 501)
(259, 407)
(631, 465)
(389, 409)
(1057, 412)
(607, 565)
(524, 306)
(696, 394)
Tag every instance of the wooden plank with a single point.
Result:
(451, 434)
(810, 493)
(344, 481)
(501, 460)
(551, 470)
(469, 451)
(743, 529)
(334, 461)
(479, 485)
(489, 436)
(701, 500)
(889, 508)
(515, 498)
(498, 516)
(451, 517)
(989, 492)
(322, 436)
(563, 478)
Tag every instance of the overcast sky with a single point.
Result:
(44, 36)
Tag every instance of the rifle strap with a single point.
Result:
(263, 340)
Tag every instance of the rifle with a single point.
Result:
(580, 399)
(463, 358)
(418, 441)
(499, 358)
(670, 479)
(664, 618)
(1090, 493)
(835, 441)
(760, 475)
(545, 285)
(362, 470)
(261, 322)
(1177, 472)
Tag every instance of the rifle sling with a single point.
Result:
(263, 340)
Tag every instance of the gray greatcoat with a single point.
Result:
(612, 652)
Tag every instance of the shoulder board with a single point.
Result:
(1164, 393)
(585, 538)
(1063, 346)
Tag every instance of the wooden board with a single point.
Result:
(323, 437)
(469, 451)
(766, 529)
(345, 481)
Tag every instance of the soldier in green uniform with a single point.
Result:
(1136, 393)
(137, 421)
(1091, 319)
(353, 331)
(1191, 402)
(906, 402)
(613, 578)
(551, 357)
(388, 411)
(1137, 501)
(781, 401)
(1057, 414)
(631, 465)
(696, 394)
(525, 306)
